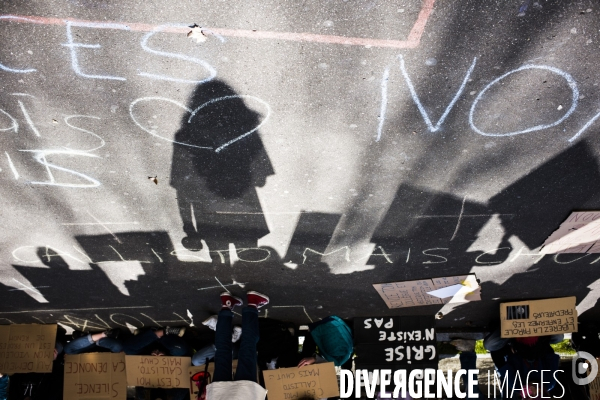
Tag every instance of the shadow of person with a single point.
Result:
(49, 281)
(217, 164)
(546, 196)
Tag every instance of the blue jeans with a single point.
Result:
(468, 361)
(85, 344)
(174, 344)
(4, 387)
(246, 369)
(202, 356)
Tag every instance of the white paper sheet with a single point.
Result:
(449, 291)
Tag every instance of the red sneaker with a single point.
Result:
(257, 300)
(230, 301)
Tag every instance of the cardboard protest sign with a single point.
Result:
(95, 376)
(315, 381)
(406, 342)
(158, 371)
(579, 233)
(538, 317)
(418, 293)
(27, 348)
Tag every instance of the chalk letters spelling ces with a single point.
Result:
(40, 155)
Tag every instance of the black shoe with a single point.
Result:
(78, 334)
(113, 333)
(176, 330)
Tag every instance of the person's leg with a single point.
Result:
(493, 342)
(223, 356)
(246, 368)
(135, 344)
(468, 361)
(202, 356)
(80, 345)
(114, 345)
(554, 339)
(176, 346)
(223, 345)
(178, 394)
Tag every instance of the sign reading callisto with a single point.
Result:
(158, 372)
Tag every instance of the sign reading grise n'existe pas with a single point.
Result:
(395, 342)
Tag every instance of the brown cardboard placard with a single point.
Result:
(315, 381)
(579, 233)
(27, 348)
(414, 293)
(99, 376)
(158, 371)
(538, 317)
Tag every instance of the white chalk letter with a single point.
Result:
(40, 156)
(14, 125)
(384, 100)
(587, 125)
(211, 71)
(570, 81)
(413, 93)
(4, 67)
(435, 255)
(69, 117)
(72, 45)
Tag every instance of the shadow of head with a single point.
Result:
(51, 258)
(223, 122)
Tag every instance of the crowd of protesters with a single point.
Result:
(264, 343)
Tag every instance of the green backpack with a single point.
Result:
(334, 340)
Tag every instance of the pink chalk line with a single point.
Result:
(414, 37)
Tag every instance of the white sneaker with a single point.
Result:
(211, 322)
(272, 364)
(236, 334)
